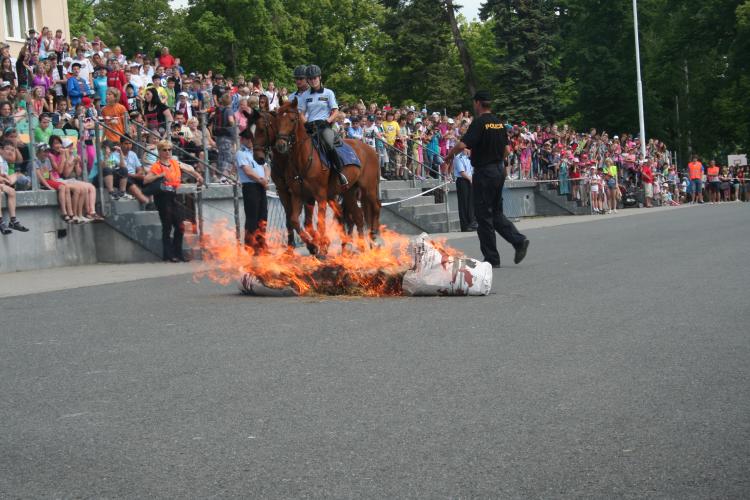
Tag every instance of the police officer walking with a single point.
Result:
(488, 141)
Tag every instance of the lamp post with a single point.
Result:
(640, 85)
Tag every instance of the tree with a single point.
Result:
(81, 17)
(134, 25)
(525, 81)
(422, 61)
(463, 52)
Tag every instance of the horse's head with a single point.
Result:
(287, 120)
(264, 135)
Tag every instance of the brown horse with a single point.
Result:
(305, 174)
(263, 140)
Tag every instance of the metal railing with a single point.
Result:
(407, 160)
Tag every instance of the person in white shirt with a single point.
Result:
(273, 96)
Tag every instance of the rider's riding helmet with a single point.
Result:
(299, 71)
(312, 71)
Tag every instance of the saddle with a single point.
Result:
(346, 152)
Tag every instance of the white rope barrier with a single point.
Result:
(416, 195)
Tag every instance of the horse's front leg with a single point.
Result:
(296, 206)
(322, 238)
(309, 208)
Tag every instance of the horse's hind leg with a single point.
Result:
(322, 238)
(354, 217)
(371, 206)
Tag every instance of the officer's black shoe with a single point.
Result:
(521, 251)
(493, 264)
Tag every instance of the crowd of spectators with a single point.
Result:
(55, 93)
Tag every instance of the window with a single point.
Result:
(19, 18)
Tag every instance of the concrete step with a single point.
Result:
(125, 206)
(436, 218)
(144, 217)
(411, 211)
(399, 193)
(442, 227)
(419, 201)
(395, 185)
(149, 237)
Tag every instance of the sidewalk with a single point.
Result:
(562, 220)
(65, 278)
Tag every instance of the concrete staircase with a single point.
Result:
(422, 211)
(144, 227)
(549, 192)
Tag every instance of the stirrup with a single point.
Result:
(342, 179)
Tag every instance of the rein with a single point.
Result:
(268, 125)
(291, 140)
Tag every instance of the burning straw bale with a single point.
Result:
(399, 266)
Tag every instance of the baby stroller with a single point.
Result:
(629, 199)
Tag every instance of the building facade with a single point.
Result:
(19, 16)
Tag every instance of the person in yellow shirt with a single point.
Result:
(391, 130)
(613, 188)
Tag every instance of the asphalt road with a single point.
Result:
(613, 362)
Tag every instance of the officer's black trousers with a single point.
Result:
(465, 203)
(255, 204)
(487, 184)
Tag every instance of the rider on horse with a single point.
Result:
(320, 109)
(300, 80)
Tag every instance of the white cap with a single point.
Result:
(184, 94)
(4, 84)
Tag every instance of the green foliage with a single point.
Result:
(421, 61)
(134, 25)
(81, 17)
(569, 61)
(524, 77)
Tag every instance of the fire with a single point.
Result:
(368, 271)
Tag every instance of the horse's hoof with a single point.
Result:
(313, 249)
(321, 257)
(347, 249)
(377, 241)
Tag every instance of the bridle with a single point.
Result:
(290, 138)
(267, 126)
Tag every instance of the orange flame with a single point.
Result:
(368, 270)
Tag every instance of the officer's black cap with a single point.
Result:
(482, 95)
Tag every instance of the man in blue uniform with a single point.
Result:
(462, 172)
(488, 141)
(254, 178)
(300, 80)
(319, 106)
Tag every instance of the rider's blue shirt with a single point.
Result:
(317, 104)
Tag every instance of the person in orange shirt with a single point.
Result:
(714, 183)
(114, 116)
(170, 170)
(695, 172)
